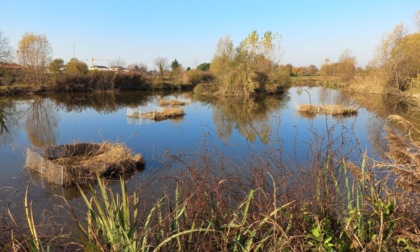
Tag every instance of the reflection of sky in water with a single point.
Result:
(185, 136)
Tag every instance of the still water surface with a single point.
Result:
(233, 126)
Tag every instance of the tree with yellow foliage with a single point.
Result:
(75, 66)
(397, 59)
(346, 66)
(34, 53)
(250, 68)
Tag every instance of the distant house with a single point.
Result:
(117, 69)
(99, 68)
(134, 68)
(11, 66)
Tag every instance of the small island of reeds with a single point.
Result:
(166, 113)
(172, 103)
(331, 109)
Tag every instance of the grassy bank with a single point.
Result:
(262, 205)
(18, 89)
(360, 84)
(98, 81)
(333, 82)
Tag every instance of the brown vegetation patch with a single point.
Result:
(373, 83)
(166, 113)
(405, 157)
(399, 120)
(172, 103)
(327, 109)
(79, 163)
(206, 89)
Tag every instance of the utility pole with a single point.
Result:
(74, 58)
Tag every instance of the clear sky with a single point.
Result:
(140, 31)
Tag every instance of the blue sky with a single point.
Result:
(140, 31)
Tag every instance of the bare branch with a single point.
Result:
(5, 49)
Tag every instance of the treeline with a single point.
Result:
(249, 68)
(37, 71)
(98, 81)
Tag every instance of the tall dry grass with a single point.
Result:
(172, 103)
(332, 109)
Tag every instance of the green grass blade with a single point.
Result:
(181, 234)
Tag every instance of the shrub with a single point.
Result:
(203, 67)
(9, 76)
(196, 77)
(130, 82)
(205, 89)
(70, 82)
(101, 80)
(278, 81)
(250, 68)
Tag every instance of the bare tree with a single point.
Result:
(35, 55)
(389, 42)
(134, 67)
(5, 49)
(118, 62)
(142, 67)
(162, 64)
(347, 65)
(417, 20)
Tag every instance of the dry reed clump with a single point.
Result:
(403, 122)
(371, 84)
(327, 109)
(166, 113)
(79, 163)
(172, 103)
(406, 162)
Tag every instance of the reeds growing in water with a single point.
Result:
(172, 103)
(332, 109)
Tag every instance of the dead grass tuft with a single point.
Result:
(166, 113)
(327, 109)
(370, 84)
(405, 156)
(403, 122)
(172, 103)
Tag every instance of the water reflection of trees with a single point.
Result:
(102, 102)
(9, 120)
(41, 122)
(39, 114)
(381, 107)
(249, 116)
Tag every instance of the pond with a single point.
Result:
(232, 127)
